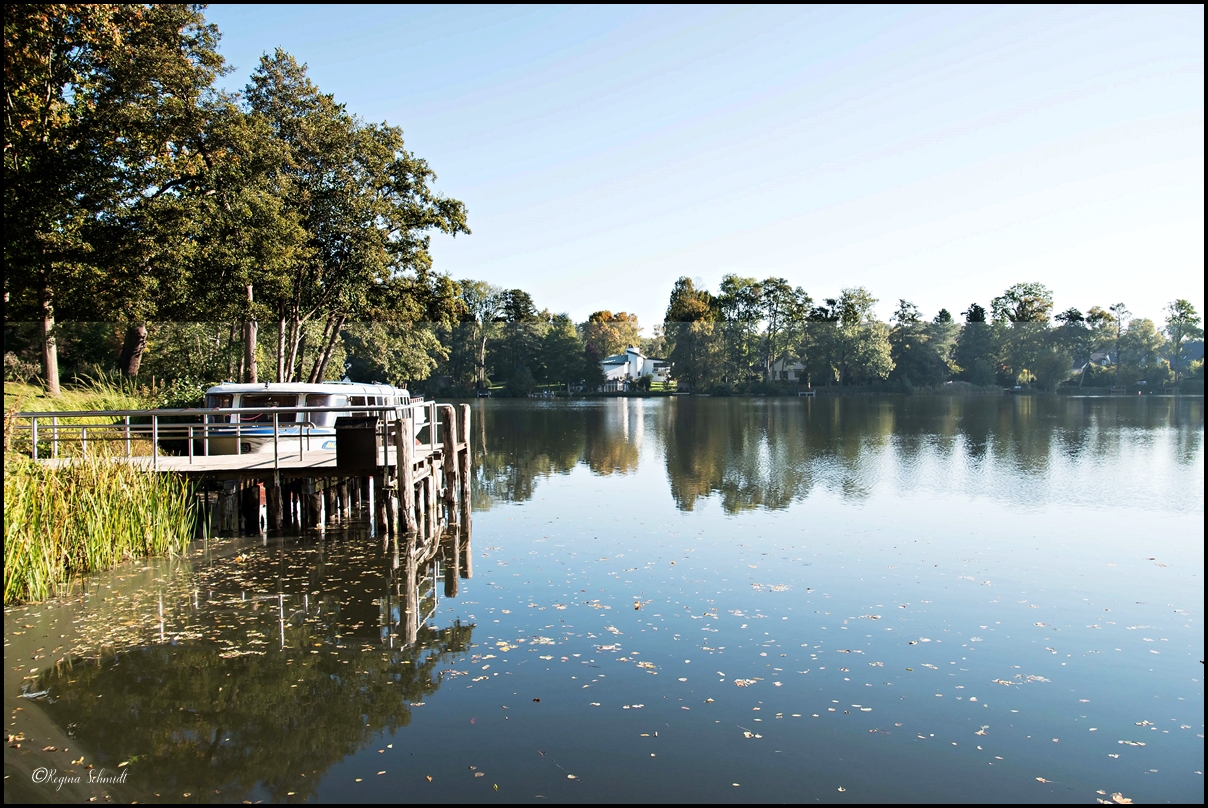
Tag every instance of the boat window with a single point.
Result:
(216, 400)
(324, 400)
(269, 401)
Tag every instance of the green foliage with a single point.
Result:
(394, 353)
(1023, 303)
(1182, 324)
(520, 383)
(610, 333)
(562, 352)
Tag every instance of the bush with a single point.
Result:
(18, 370)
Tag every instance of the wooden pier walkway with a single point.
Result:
(404, 467)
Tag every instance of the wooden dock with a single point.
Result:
(407, 471)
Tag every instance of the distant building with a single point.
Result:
(786, 371)
(622, 370)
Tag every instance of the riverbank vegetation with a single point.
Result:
(159, 227)
(64, 521)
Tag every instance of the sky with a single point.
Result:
(936, 154)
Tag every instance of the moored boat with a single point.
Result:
(253, 431)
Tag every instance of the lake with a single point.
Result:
(866, 599)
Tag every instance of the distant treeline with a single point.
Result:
(156, 226)
(752, 334)
(749, 337)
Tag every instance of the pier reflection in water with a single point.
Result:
(247, 680)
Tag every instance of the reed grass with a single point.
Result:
(66, 520)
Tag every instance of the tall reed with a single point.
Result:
(61, 521)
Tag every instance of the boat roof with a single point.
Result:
(307, 387)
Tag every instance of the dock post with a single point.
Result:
(452, 548)
(391, 502)
(451, 434)
(345, 499)
(379, 496)
(370, 504)
(329, 497)
(404, 458)
(274, 505)
(411, 600)
(433, 501)
(465, 470)
(466, 556)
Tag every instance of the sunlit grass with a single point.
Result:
(61, 521)
(99, 393)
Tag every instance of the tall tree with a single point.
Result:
(1182, 324)
(915, 359)
(366, 205)
(688, 326)
(612, 333)
(484, 303)
(739, 314)
(1023, 303)
(784, 309)
(98, 101)
(1120, 317)
(1074, 337)
(974, 352)
(562, 352)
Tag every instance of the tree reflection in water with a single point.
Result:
(767, 453)
(212, 687)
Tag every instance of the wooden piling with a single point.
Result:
(404, 457)
(379, 496)
(452, 554)
(275, 511)
(466, 553)
(463, 456)
(433, 502)
(329, 500)
(448, 417)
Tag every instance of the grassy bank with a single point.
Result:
(65, 521)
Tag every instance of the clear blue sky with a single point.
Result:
(936, 154)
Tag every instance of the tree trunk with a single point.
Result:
(301, 354)
(133, 346)
(50, 347)
(249, 342)
(482, 358)
(295, 326)
(232, 367)
(321, 365)
(281, 377)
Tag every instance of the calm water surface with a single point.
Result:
(867, 600)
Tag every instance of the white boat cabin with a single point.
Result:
(318, 428)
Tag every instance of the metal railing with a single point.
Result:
(204, 424)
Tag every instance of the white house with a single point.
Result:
(787, 371)
(621, 370)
